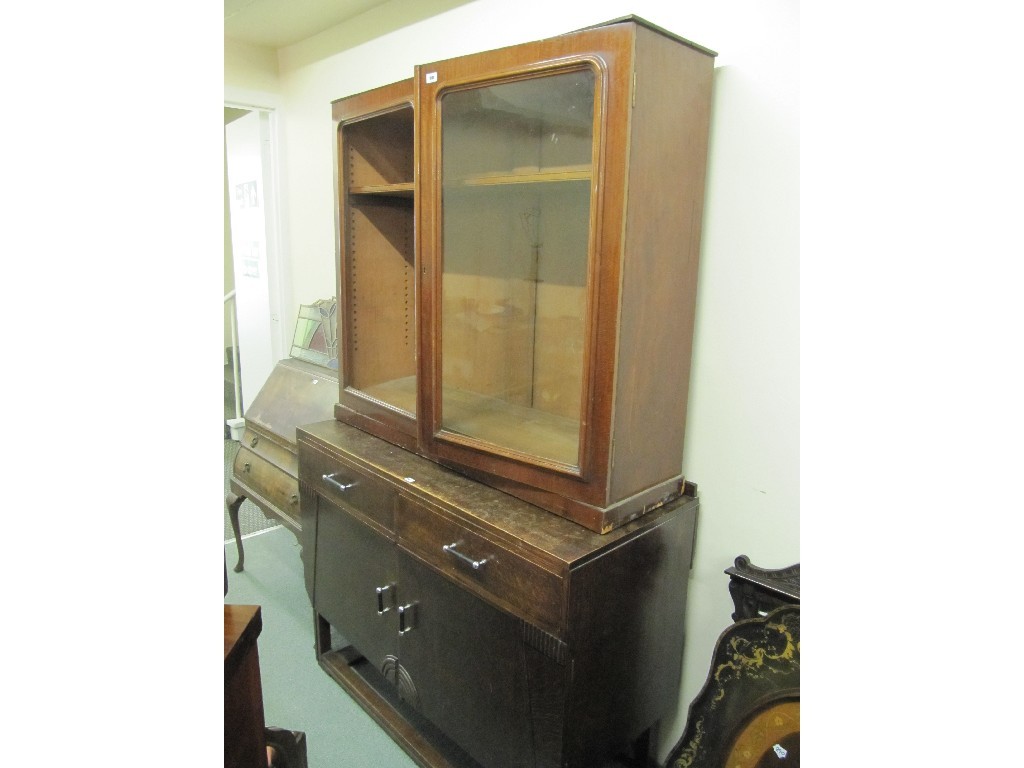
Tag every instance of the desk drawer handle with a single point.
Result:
(475, 564)
(337, 483)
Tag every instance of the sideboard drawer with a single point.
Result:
(266, 480)
(351, 488)
(482, 564)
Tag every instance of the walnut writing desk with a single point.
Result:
(266, 467)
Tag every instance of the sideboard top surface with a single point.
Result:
(486, 506)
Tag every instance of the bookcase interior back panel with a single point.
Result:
(381, 311)
(379, 150)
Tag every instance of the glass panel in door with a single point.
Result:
(517, 160)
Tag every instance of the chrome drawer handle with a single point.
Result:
(451, 550)
(337, 483)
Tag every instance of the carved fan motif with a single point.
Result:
(397, 674)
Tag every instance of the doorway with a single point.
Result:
(252, 341)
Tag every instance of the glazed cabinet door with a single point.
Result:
(375, 175)
(356, 583)
(466, 661)
(516, 172)
(524, 149)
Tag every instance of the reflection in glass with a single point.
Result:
(314, 339)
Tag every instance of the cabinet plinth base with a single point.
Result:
(425, 744)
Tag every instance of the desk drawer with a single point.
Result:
(267, 481)
(350, 488)
(271, 450)
(482, 564)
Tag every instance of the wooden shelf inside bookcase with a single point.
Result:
(399, 393)
(527, 176)
(526, 430)
(404, 189)
(522, 429)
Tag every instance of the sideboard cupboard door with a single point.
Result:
(356, 582)
(466, 660)
(560, 193)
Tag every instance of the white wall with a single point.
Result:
(250, 67)
(742, 436)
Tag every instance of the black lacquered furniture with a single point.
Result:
(747, 715)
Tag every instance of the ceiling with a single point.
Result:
(277, 23)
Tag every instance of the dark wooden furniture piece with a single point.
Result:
(747, 715)
(478, 629)
(518, 241)
(244, 741)
(266, 470)
(756, 591)
(248, 742)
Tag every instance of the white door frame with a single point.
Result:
(277, 333)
